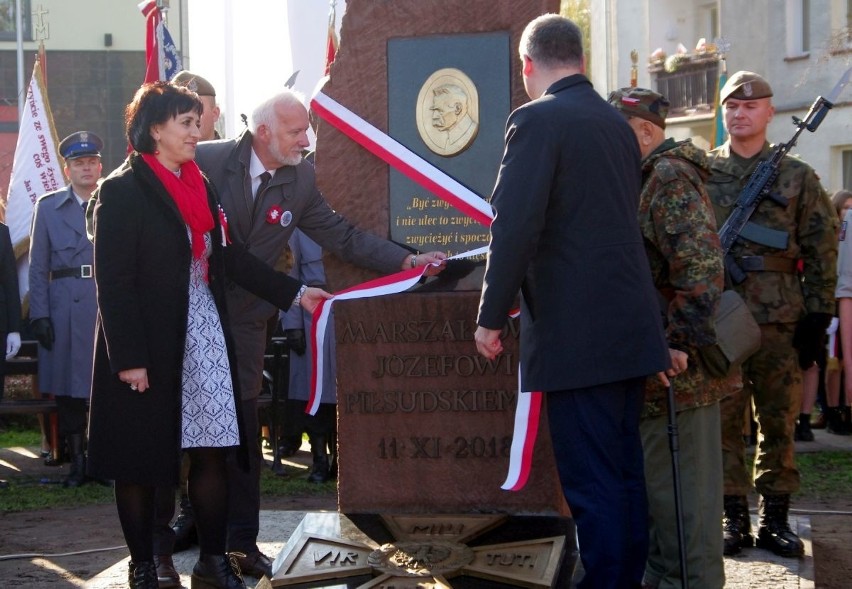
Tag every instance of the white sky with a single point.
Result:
(244, 49)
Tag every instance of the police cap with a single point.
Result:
(194, 82)
(641, 102)
(81, 144)
(745, 85)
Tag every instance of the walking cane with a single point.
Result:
(674, 446)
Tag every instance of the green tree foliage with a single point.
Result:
(581, 13)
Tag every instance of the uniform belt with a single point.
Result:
(767, 264)
(84, 271)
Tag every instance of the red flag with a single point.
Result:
(331, 44)
(161, 55)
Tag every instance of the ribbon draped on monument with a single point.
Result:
(405, 161)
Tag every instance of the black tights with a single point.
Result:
(208, 493)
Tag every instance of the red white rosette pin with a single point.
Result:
(273, 215)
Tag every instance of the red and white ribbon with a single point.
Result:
(403, 159)
(393, 284)
(380, 144)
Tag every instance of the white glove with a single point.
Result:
(13, 344)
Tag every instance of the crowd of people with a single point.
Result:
(151, 293)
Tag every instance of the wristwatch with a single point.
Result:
(299, 295)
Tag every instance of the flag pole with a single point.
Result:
(19, 39)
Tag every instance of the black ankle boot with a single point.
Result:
(142, 575)
(185, 533)
(774, 533)
(736, 525)
(77, 474)
(803, 431)
(835, 424)
(319, 469)
(217, 571)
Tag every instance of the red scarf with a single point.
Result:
(190, 196)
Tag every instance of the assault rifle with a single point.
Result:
(760, 183)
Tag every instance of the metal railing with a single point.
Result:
(691, 88)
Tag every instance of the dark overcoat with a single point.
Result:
(58, 241)
(567, 236)
(10, 297)
(142, 262)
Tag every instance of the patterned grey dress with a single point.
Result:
(208, 412)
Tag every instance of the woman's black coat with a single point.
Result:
(142, 262)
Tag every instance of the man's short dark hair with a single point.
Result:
(553, 41)
(154, 104)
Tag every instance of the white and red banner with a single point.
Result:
(36, 170)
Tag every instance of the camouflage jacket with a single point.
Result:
(808, 219)
(677, 222)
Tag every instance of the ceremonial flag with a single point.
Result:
(36, 170)
(719, 135)
(161, 53)
(331, 43)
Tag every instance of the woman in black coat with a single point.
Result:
(164, 366)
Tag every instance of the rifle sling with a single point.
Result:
(765, 236)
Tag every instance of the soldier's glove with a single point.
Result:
(42, 329)
(810, 338)
(296, 340)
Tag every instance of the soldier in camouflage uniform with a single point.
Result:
(793, 311)
(685, 256)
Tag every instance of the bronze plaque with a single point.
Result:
(425, 422)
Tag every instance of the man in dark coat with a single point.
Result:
(267, 190)
(10, 302)
(566, 235)
(63, 304)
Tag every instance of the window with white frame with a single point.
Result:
(846, 169)
(798, 13)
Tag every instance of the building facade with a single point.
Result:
(95, 62)
(802, 47)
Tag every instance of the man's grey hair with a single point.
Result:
(553, 41)
(264, 113)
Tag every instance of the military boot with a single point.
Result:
(803, 431)
(736, 525)
(186, 534)
(774, 532)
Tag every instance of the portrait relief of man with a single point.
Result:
(447, 112)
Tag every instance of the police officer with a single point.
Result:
(685, 255)
(793, 313)
(63, 306)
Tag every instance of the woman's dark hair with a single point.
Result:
(154, 104)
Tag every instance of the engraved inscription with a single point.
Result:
(391, 448)
(335, 557)
(427, 401)
(511, 559)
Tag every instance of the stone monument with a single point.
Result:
(425, 423)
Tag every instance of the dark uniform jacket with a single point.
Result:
(142, 263)
(566, 235)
